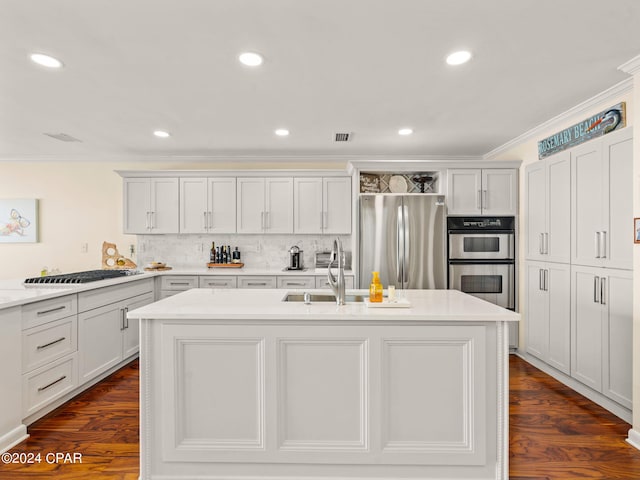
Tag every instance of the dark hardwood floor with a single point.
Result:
(555, 433)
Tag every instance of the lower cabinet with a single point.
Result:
(107, 337)
(601, 326)
(296, 282)
(257, 281)
(218, 282)
(323, 282)
(549, 313)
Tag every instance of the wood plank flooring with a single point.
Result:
(555, 433)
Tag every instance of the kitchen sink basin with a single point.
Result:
(321, 297)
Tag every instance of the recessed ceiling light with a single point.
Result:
(161, 134)
(45, 60)
(458, 58)
(405, 131)
(250, 59)
(282, 132)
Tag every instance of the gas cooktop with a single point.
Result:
(80, 277)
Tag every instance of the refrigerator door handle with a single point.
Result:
(400, 242)
(406, 253)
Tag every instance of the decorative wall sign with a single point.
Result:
(19, 221)
(595, 126)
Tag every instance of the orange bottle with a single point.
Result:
(375, 289)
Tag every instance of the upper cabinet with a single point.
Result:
(207, 205)
(264, 205)
(322, 205)
(150, 205)
(473, 191)
(601, 211)
(548, 207)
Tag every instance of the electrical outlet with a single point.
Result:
(84, 248)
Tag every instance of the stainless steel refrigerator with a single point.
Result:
(403, 237)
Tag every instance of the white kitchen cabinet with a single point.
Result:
(322, 205)
(491, 191)
(264, 205)
(218, 281)
(296, 281)
(207, 205)
(549, 313)
(106, 336)
(548, 209)
(151, 205)
(602, 194)
(601, 326)
(257, 281)
(12, 430)
(323, 282)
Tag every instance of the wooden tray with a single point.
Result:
(157, 269)
(225, 265)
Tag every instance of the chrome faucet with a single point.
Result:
(337, 285)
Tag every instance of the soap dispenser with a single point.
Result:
(375, 289)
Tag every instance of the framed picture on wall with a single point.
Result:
(636, 230)
(18, 220)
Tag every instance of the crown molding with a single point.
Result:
(631, 67)
(609, 94)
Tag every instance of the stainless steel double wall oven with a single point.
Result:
(481, 258)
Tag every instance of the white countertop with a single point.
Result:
(225, 304)
(249, 271)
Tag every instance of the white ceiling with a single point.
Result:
(362, 66)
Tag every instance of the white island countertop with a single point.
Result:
(268, 304)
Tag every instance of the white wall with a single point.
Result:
(81, 202)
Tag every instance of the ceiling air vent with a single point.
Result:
(343, 137)
(63, 137)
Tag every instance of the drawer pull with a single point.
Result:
(40, 389)
(51, 310)
(256, 283)
(214, 284)
(40, 347)
(293, 284)
(178, 283)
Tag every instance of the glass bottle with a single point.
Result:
(375, 289)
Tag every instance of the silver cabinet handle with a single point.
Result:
(603, 244)
(546, 243)
(603, 290)
(206, 225)
(40, 347)
(51, 310)
(121, 319)
(152, 217)
(217, 284)
(178, 283)
(126, 319)
(597, 244)
(40, 389)
(479, 200)
(484, 199)
(399, 242)
(257, 283)
(541, 244)
(295, 284)
(596, 289)
(546, 280)
(541, 279)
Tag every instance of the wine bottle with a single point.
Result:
(236, 256)
(212, 253)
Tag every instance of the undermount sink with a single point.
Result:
(321, 297)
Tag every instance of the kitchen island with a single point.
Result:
(239, 384)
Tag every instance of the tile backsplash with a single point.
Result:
(257, 251)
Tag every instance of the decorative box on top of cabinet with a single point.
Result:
(151, 205)
(474, 191)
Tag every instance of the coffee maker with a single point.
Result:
(295, 258)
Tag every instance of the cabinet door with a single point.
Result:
(257, 281)
(617, 154)
(99, 340)
(499, 191)
(131, 327)
(586, 326)
(558, 289)
(278, 205)
(558, 240)
(464, 190)
(336, 205)
(587, 206)
(193, 205)
(537, 311)
(250, 205)
(536, 208)
(308, 205)
(137, 205)
(618, 336)
(164, 205)
(222, 205)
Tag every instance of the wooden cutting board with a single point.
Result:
(157, 269)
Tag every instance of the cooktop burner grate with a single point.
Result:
(80, 277)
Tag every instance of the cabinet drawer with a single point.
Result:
(178, 282)
(218, 282)
(296, 282)
(168, 293)
(48, 342)
(38, 313)
(42, 386)
(115, 293)
(257, 281)
(322, 282)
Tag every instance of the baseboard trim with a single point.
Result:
(13, 438)
(633, 438)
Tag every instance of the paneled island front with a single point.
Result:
(240, 384)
